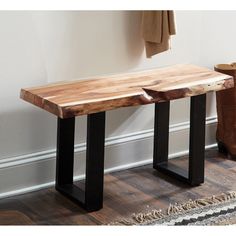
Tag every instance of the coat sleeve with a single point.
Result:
(152, 26)
(157, 26)
(171, 19)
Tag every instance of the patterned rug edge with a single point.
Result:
(185, 213)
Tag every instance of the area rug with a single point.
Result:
(215, 210)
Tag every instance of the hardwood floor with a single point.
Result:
(125, 192)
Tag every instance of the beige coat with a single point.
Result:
(157, 27)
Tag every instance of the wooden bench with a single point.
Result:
(94, 96)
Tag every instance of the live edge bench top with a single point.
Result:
(80, 97)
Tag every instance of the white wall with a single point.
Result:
(41, 47)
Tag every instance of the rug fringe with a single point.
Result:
(177, 208)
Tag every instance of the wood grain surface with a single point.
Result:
(80, 97)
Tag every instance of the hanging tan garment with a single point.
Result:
(157, 27)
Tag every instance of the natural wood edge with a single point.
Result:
(159, 96)
(42, 103)
(148, 96)
(143, 96)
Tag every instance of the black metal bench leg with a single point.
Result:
(197, 139)
(95, 161)
(195, 173)
(92, 197)
(65, 151)
(161, 129)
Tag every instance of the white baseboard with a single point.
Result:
(36, 171)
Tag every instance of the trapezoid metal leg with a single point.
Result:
(195, 173)
(91, 198)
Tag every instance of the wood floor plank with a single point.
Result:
(125, 192)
